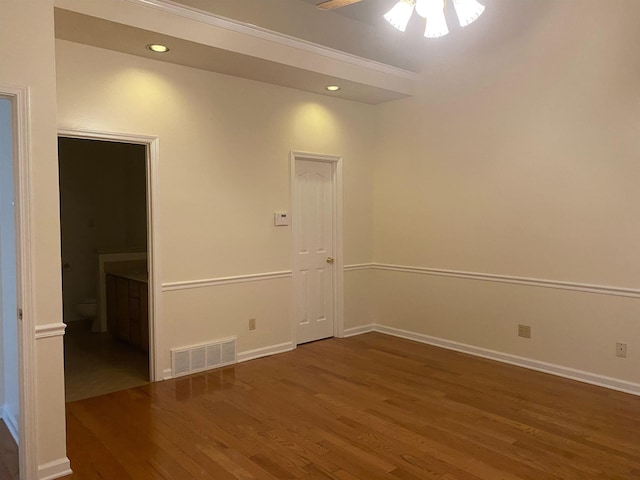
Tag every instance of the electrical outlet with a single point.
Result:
(621, 349)
(524, 331)
(252, 324)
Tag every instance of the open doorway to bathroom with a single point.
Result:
(103, 218)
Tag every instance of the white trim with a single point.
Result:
(153, 231)
(251, 277)
(56, 469)
(531, 364)
(353, 331)
(490, 277)
(50, 330)
(338, 241)
(214, 282)
(358, 266)
(254, 31)
(167, 374)
(265, 351)
(20, 100)
(12, 423)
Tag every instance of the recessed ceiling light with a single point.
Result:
(156, 47)
(332, 88)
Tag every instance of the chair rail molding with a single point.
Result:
(50, 330)
(217, 281)
(490, 277)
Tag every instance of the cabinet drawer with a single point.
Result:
(128, 310)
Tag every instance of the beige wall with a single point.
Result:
(522, 161)
(27, 59)
(224, 170)
(519, 162)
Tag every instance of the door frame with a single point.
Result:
(338, 270)
(20, 101)
(152, 144)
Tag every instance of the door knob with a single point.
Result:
(330, 260)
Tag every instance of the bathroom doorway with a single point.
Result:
(105, 265)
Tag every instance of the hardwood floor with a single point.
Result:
(368, 407)
(9, 461)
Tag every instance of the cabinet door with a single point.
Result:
(112, 305)
(134, 314)
(122, 295)
(144, 315)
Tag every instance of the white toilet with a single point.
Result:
(88, 309)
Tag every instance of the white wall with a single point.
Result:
(102, 208)
(27, 58)
(224, 170)
(521, 161)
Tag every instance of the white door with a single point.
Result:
(314, 224)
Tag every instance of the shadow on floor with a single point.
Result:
(96, 364)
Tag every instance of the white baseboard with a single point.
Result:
(265, 351)
(248, 355)
(559, 370)
(12, 424)
(350, 332)
(56, 469)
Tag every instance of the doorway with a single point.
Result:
(105, 265)
(316, 186)
(9, 337)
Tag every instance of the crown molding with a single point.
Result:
(195, 14)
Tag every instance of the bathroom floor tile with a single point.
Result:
(96, 364)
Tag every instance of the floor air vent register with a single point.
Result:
(198, 358)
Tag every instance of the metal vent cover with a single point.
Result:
(205, 356)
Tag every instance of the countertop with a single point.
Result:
(137, 276)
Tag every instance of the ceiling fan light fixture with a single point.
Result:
(400, 14)
(467, 11)
(433, 11)
(436, 25)
(426, 8)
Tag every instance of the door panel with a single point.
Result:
(314, 233)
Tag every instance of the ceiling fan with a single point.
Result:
(331, 4)
(433, 11)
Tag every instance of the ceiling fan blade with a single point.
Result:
(331, 4)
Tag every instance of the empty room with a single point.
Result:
(374, 239)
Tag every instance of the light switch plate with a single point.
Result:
(281, 219)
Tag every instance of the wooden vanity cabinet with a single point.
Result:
(128, 310)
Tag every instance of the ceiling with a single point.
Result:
(360, 28)
(383, 71)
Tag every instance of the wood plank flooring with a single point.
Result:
(9, 461)
(369, 407)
